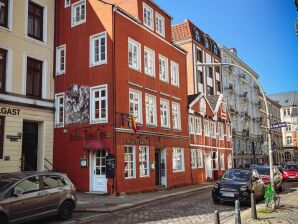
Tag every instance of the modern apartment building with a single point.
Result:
(26, 84)
(242, 97)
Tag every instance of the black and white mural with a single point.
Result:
(77, 104)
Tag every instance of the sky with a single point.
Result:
(262, 31)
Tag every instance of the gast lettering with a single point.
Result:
(9, 111)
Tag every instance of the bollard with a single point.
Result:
(216, 217)
(253, 206)
(237, 212)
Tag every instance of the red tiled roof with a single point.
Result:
(181, 31)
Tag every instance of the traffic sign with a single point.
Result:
(279, 125)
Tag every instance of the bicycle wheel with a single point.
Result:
(273, 204)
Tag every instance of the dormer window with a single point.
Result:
(148, 16)
(160, 24)
(215, 50)
(197, 36)
(207, 43)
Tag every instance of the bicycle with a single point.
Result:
(272, 199)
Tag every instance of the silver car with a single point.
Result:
(25, 196)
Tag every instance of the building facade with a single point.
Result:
(288, 114)
(242, 97)
(26, 85)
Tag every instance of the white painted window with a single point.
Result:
(228, 127)
(289, 140)
(200, 158)
(212, 129)
(78, 13)
(160, 24)
(174, 74)
(215, 159)
(198, 126)
(99, 104)
(193, 159)
(150, 110)
(206, 128)
(6, 14)
(165, 113)
(130, 161)
(67, 3)
(176, 116)
(144, 161)
(220, 130)
(149, 62)
(59, 110)
(148, 16)
(230, 165)
(60, 59)
(178, 160)
(135, 105)
(98, 49)
(163, 69)
(191, 124)
(134, 55)
(222, 161)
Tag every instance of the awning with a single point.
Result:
(96, 145)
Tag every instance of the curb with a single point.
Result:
(146, 201)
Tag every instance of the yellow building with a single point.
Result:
(26, 84)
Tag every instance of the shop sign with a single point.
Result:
(14, 138)
(89, 136)
(84, 162)
(137, 141)
(9, 111)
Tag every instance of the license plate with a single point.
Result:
(292, 177)
(227, 194)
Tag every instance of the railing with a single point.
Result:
(48, 165)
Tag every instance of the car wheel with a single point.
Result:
(65, 210)
(3, 219)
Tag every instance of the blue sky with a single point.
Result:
(263, 31)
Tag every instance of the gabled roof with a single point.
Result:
(191, 98)
(213, 100)
(285, 99)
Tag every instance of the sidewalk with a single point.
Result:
(106, 204)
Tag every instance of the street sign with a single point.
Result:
(279, 125)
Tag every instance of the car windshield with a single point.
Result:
(236, 175)
(4, 184)
(263, 170)
(291, 167)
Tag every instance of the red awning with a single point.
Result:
(96, 145)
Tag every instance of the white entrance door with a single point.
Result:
(208, 165)
(163, 167)
(98, 172)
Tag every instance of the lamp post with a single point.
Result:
(266, 107)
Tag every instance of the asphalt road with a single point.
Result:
(193, 208)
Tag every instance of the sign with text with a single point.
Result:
(279, 125)
(9, 111)
(137, 141)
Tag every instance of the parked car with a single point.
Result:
(264, 172)
(238, 184)
(26, 196)
(290, 171)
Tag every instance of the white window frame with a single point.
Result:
(9, 16)
(174, 159)
(153, 107)
(139, 118)
(136, 44)
(163, 111)
(93, 38)
(161, 19)
(67, 3)
(216, 161)
(198, 120)
(141, 161)
(200, 158)
(166, 69)
(151, 63)
(222, 161)
(206, 128)
(177, 105)
(151, 25)
(94, 120)
(212, 129)
(59, 49)
(174, 66)
(191, 124)
(133, 162)
(220, 131)
(73, 10)
(193, 158)
(57, 111)
(228, 127)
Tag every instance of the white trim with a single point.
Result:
(135, 84)
(166, 61)
(158, 16)
(134, 162)
(9, 17)
(58, 55)
(145, 6)
(152, 52)
(193, 151)
(176, 65)
(209, 146)
(154, 109)
(91, 47)
(201, 157)
(191, 124)
(44, 84)
(139, 57)
(179, 116)
(176, 98)
(73, 24)
(182, 160)
(151, 90)
(164, 94)
(140, 102)
(57, 96)
(91, 106)
(222, 165)
(168, 113)
(20, 99)
(24, 74)
(147, 160)
(67, 4)
(200, 121)
(9, 68)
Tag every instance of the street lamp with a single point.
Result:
(266, 107)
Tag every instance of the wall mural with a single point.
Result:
(77, 104)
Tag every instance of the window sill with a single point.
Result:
(60, 73)
(5, 29)
(177, 130)
(36, 40)
(59, 126)
(178, 171)
(164, 80)
(161, 34)
(98, 122)
(166, 128)
(130, 178)
(151, 125)
(98, 63)
(149, 75)
(77, 23)
(135, 69)
(143, 177)
(177, 86)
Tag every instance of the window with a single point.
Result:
(215, 50)
(4, 13)
(59, 112)
(100, 162)
(28, 185)
(212, 129)
(34, 78)
(98, 49)
(199, 56)
(135, 105)
(129, 162)
(178, 160)
(200, 158)
(150, 110)
(144, 161)
(99, 104)
(207, 43)
(2, 123)
(209, 90)
(50, 182)
(149, 62)
(163, 69)
(230, 165)
(35, 21)
(174, 73)
(215, 159)
(218, 86)
(217, 69)
(209, 71)
(206, 128)
(228, 127)
(134, 55)
(285, 112)
(220, 130)
(66, 3)
(289, 140)
(193, 159)
(160, 24)
(289, 111)
(191, 124)
(3, 62)
(60, 59)
(78, 13)
(198, 129)
(164, 113)
(148, 16)
(200, 77)
(222, 161)
(289, 127)
(176, 116)
(197, 36)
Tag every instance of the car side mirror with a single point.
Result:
(17, 193)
